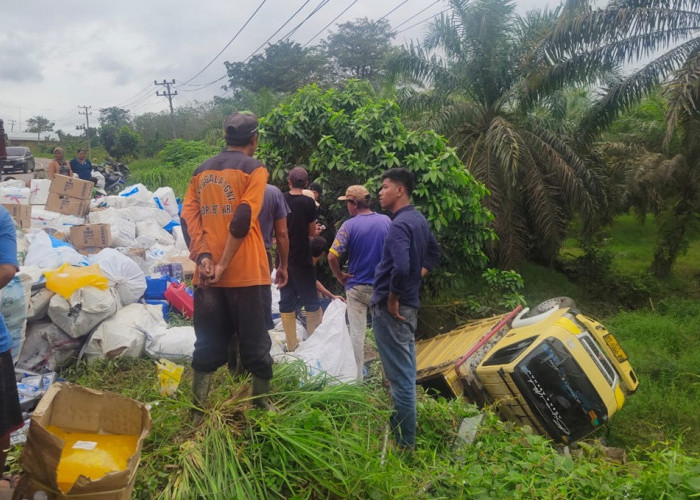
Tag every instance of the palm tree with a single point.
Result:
(666, 35)
(472, 78)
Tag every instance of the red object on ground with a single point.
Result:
(180, 297)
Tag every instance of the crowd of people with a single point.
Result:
(231, 217)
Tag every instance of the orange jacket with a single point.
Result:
(217, 188)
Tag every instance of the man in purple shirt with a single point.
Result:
(362, 239)
(409, 253)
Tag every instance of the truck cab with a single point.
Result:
(560, 372)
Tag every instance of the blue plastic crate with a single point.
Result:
(155, 287)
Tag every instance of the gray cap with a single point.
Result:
(241, 126)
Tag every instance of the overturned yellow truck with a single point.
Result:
(553, 368)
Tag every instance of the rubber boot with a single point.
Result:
(201, 383)
(289, 323)
(261, 390)
(313, 319)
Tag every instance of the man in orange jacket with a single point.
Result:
(220, 215)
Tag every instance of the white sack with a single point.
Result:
(153, 214)
(123, 273)
(86, 308)
(39, 304)
(137, 195)
(175, 344)
(14, 302)
(46, 348)
(165, 199)
(39, 191)
(122, 334)
(155, 230)
(329, 349)
(121, 227)
(22, 246)
(180, 242)
(42, 253)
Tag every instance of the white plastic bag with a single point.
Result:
(153, 229)
(44, 254)
(329, 349)
(166, 200)
(123, 273)
(86, 308)
(122, 228)
(137, 195)
(122, 334)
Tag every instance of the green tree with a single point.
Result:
(39, 124)
(348, 137)
(472, 68)
(664, 35)
(127, 142)
(359, 49)
(108, 137)
(114, 115)
(283, 67)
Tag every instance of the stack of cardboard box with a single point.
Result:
(69, 196)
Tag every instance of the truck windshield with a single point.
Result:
(559, 392)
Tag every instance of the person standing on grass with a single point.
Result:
(409, 253)
(301, 286)
(81, 165)
(10, 411)
(362, 238)
(220, 217)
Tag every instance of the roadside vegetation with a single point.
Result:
(545, 167)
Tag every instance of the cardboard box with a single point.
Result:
(188, 265)
(77, 408)
(71, 186)
(67, 205)
(22, 214)
(91, 235)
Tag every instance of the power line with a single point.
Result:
(321, 5)
(416, 14)
(327, 25)
(392, 10)
(228, 44)
(421, 22)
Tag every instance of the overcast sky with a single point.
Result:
(56, 56)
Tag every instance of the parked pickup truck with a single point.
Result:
(558, 371)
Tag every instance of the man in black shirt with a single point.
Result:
(301, 284)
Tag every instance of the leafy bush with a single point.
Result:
(178, 152)
(347, 137)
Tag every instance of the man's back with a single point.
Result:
(362, 238)
(303, 213)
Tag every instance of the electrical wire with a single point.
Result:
(228, 44)
(321, 5)
(327, 25)
(421, 22)
(392, 10)
(416, 14)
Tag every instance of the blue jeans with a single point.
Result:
(397, 350)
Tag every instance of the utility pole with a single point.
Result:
(12, 125)
(169, 95)
(87, 126)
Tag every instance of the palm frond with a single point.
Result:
(504, 141)
(683, 93)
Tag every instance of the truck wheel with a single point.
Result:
(555, 303)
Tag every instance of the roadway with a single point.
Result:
(40, 169)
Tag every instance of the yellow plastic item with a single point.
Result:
(91, 455)
(169, 375)
(67, 279)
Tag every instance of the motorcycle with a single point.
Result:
(110, 177)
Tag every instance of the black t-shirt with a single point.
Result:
(303, 212)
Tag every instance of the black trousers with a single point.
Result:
(223, 314)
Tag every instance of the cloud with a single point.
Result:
(18, 60)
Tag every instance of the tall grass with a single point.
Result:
(327, 442)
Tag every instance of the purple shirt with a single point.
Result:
(362, 238)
